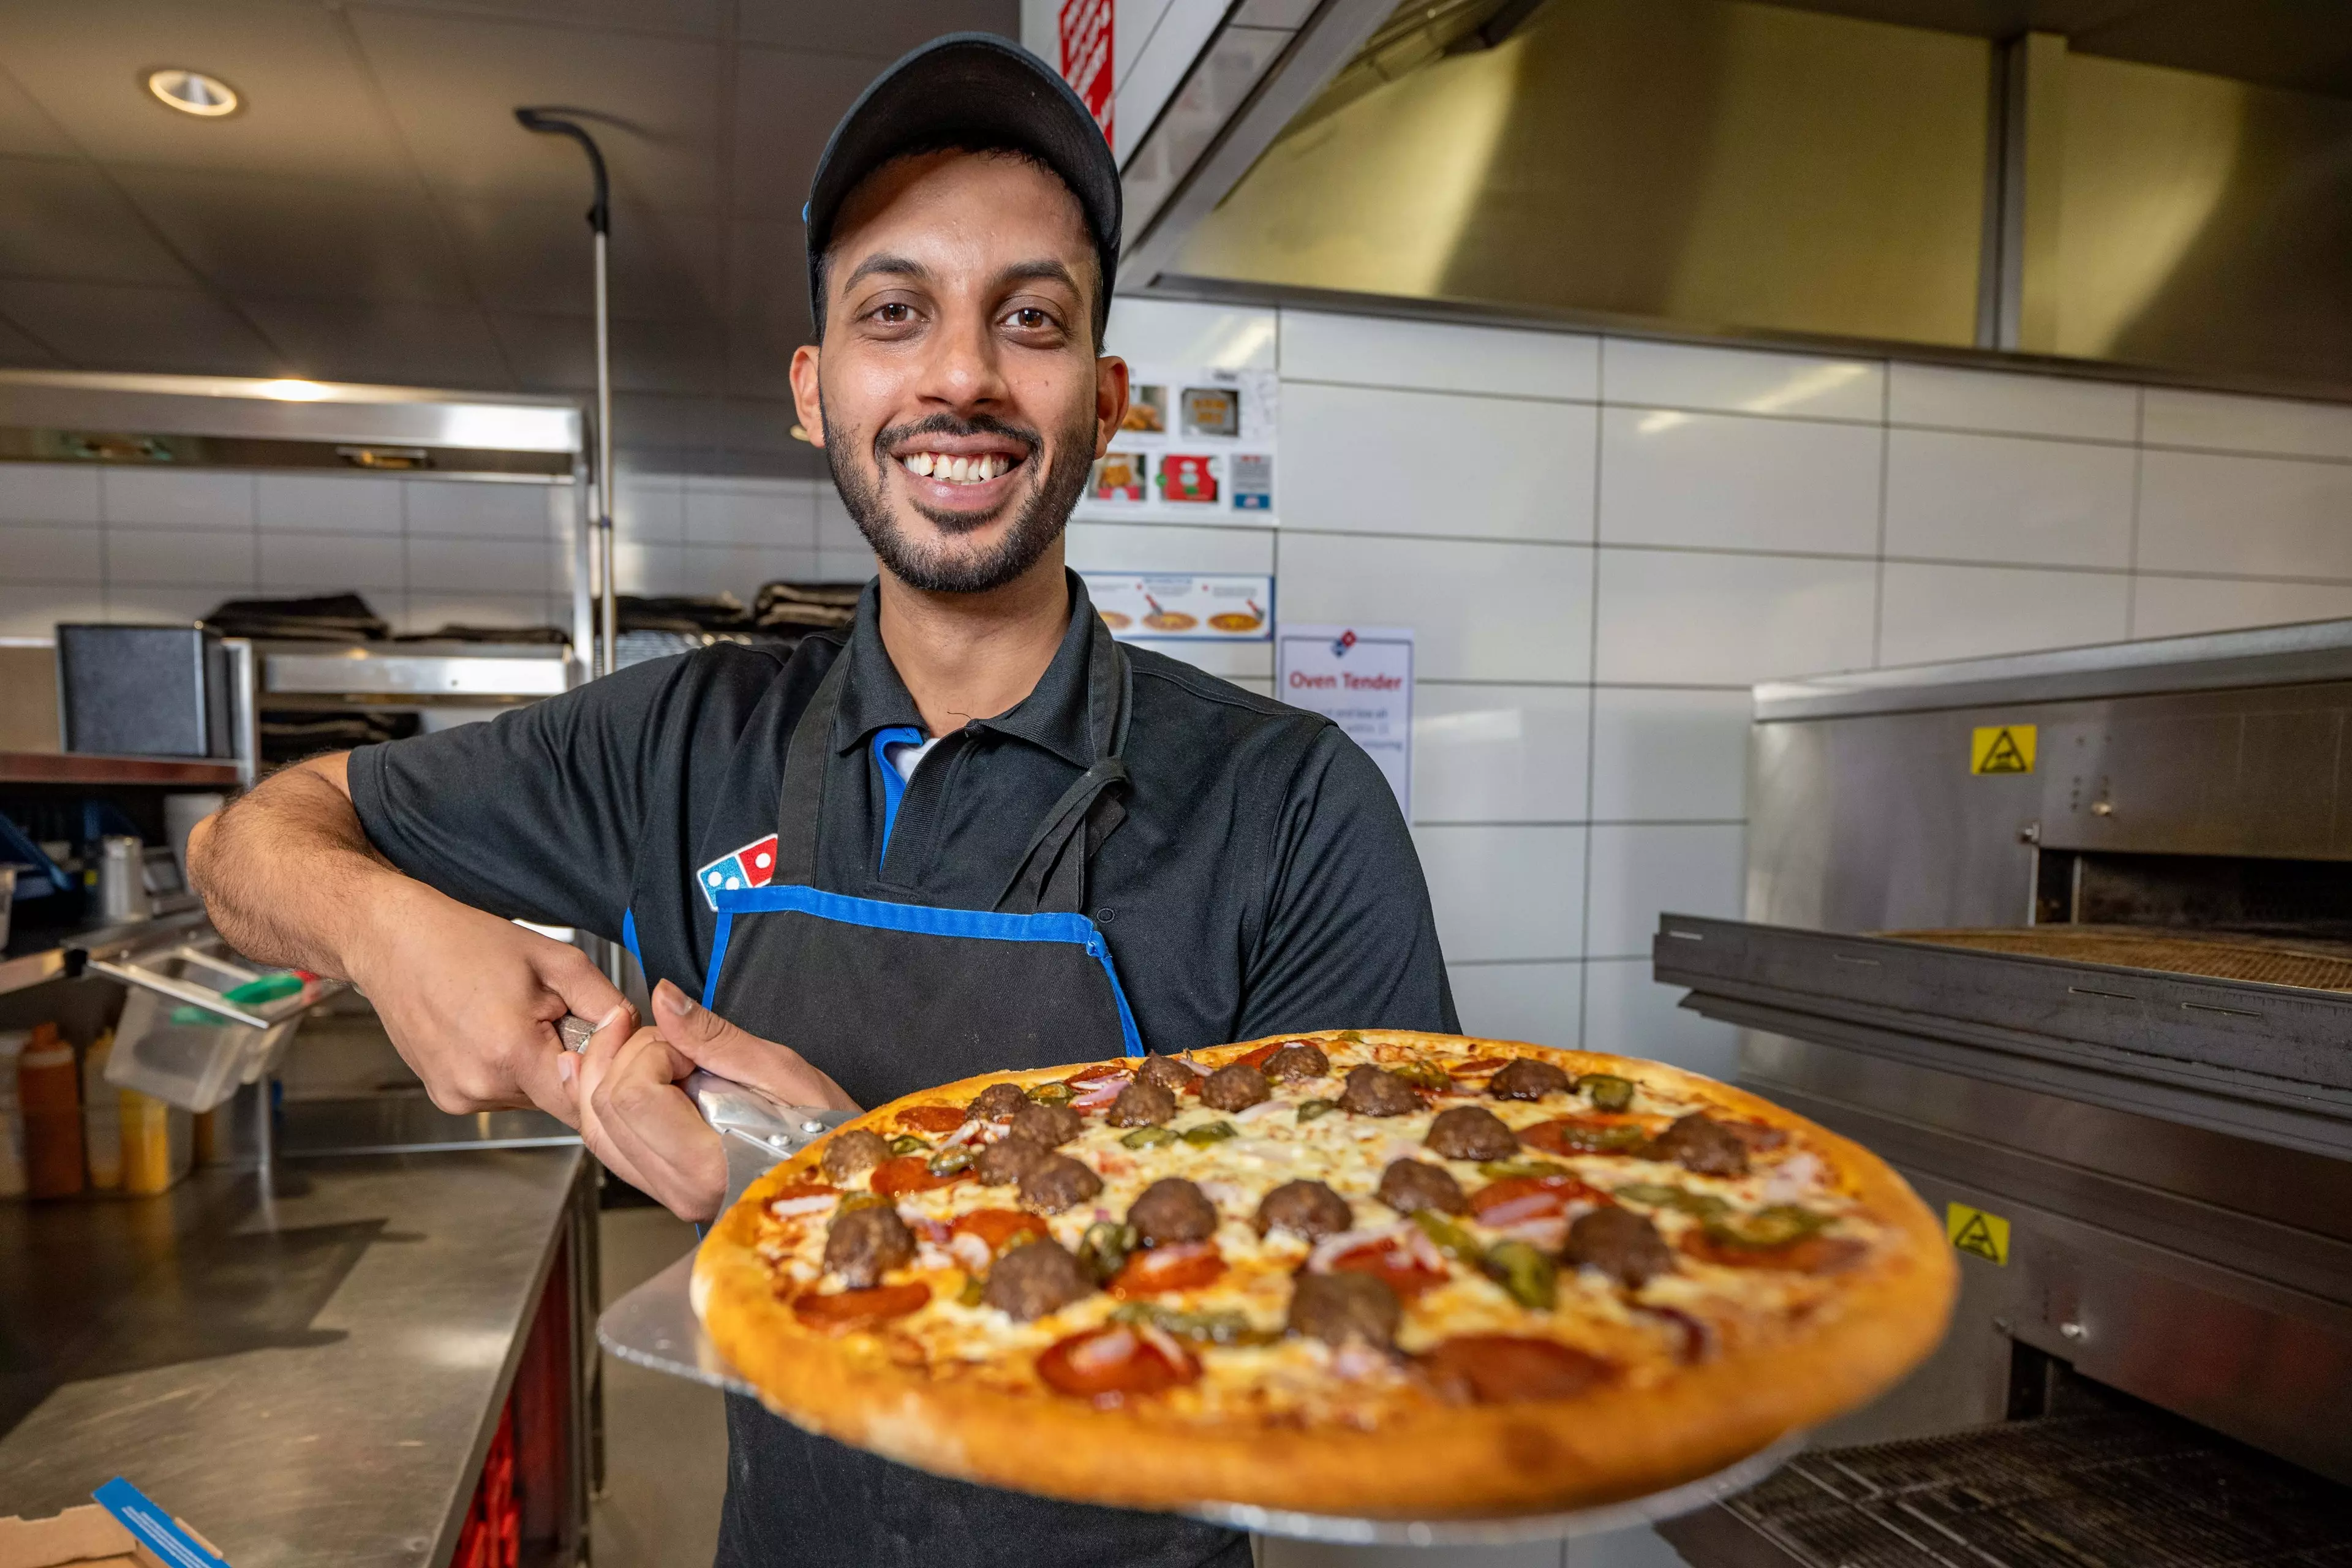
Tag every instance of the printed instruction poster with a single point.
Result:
(1360, 677)
(1187, 607)
(1197, 445)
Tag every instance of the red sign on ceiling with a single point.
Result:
(1085, 55)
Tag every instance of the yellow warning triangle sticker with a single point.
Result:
(1977, 1236)
(2001, 749)
(1976, 1232)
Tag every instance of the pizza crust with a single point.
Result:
(1429, 1461)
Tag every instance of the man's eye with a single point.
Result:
(1029, 319)
(895, 314)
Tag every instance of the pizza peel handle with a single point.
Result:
(758, 1131)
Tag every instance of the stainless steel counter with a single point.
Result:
(309, 1377)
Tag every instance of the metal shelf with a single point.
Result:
(46, 964)
(84, 768)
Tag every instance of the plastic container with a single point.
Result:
(12, 1116)
(186, 1055)
(158, 1142)
(101, 1118)
(48, 1087)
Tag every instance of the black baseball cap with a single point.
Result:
(975, 86)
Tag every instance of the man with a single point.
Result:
(976, 833)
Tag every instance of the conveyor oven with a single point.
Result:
(2067, 938)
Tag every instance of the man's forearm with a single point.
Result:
(288, 873)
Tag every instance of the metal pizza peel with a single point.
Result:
(654, 1326)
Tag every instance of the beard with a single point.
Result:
(1039, 512)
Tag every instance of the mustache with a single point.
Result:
(953, 425)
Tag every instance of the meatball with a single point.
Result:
(1057, 1183)
(1051, 1125)
(996, 1103)
(1337, 1308)
(864, 1243)
(1697, 1142)
(1304, 1208)
(1236, 1085)
(1472, 1132)
(1297, 1060)
(1527, 1078)
(1621, 1244)
(1409, 1186)
(1008, 1161)
(1167, 1073)
(1372, 1091)
(1142, 1104)
(1172, 1210)
(1035, 1278)
(849, 1153)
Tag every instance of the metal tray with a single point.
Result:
(654, 1326)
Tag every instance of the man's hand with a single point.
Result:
(470, 1000)
(639, 1123)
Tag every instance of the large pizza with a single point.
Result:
(1363, 1273)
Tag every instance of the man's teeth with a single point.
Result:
(957, 470)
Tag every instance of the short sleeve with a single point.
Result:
(533, 815)
(1348, 939)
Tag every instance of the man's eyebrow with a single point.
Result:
(1044, 270)
(900, 266)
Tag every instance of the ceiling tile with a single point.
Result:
(768, 317)
(116, 326)
(558, 353)
(62, 218)
(453, 84)
(881, 28)
(538, 256)
(253, 234)
(697, 17)
(25, 128)
(306, 109)
(409, 345)
(785, 107)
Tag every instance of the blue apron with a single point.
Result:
(889, 998)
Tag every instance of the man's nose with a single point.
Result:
(962, 370)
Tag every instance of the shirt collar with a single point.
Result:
(1052, 716)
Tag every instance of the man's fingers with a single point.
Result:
(645, 1128)
(578, 984)
(734, 1053)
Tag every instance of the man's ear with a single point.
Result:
(807, 402)
(1111, 400)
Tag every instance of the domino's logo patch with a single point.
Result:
(750, 867)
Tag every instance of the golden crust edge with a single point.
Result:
(1608, 1445)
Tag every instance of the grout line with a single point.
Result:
(2139, 465)
(1885, 462)
(1592, 722)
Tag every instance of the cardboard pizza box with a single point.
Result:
(122, 1530)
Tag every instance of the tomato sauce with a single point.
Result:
(845, 1310)
(1506, 1369)
(909, 1173)
(997, 1226)
(1109, 1363)
(1185, 1266)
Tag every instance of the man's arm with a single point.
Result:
(469, 1000)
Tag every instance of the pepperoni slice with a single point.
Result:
(933, 1118)
(1097, 1073)
(802, 1190)
(1109, 1363)
(1514, 1200)
(997, 1226)
(1397, 1267)
(1809, 1255)
(1187, 1265)
(845, 1310)
(1479, 1067)
(909, 1173)
(1256, 1058)
(1600, 1133)
(1507, 1369)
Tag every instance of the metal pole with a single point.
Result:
(603, 659)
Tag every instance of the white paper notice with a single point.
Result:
(1360, 677)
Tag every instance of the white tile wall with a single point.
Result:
(1506, 892)
(2019, 405)
(1536, 1002)
(1662, 754)
(1500, 753)
(1378, 461)
(1962, 612)
(1741, 381)
(2257, 516)
(1435, 357)
(2225, 424)
(2006, 498)
(1732, 482)
(1483, 610)
(2178, 606)
(1641, 871)
(1689, 618)
(1627, 1012)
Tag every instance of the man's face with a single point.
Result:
(957, 392)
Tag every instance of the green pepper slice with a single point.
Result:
(1451, 1238)
(852, 1201)
(907, 1143)
(1105, 1246)
(1423, 1075)
(1704, 1205)
(1308, 1110)
(1208, 1132)
(1607, 1090)
(1497, 1170)
(1051, 1094)
(1779, 1225)
(1226, 1328)
(970, 1294)
(1148, 1138)
(1522, 1269)
(1353, 1037)
(947, 1162)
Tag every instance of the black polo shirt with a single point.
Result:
(1261, 881)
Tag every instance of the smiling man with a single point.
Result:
(857, 871)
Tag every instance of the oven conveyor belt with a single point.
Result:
(2129, 1489)
(2314, 965)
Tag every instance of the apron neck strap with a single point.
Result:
(803, 786)
(1052, 876)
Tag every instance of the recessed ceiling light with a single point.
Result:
(193, 92)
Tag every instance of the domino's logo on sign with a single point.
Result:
(750, 867)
